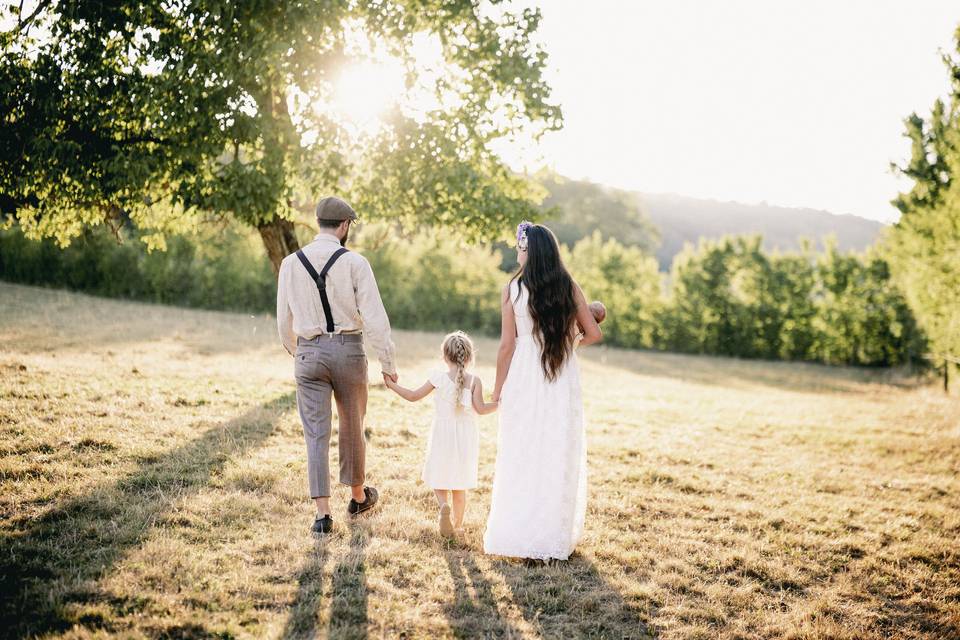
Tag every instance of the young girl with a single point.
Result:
(451, 464)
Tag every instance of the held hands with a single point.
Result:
(481, 407)
(390, 381)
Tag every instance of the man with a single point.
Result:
(327, 304)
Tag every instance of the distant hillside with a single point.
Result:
(662, 223)
(578, 208)
(682, 219)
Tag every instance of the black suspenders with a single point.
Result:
(321, 280)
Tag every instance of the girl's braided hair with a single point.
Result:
(458, 350)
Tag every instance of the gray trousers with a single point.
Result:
(337, 365)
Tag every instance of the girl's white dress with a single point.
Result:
(539, 497)
(454, 444)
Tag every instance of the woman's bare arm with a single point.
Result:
(591, 330)
(508, 341)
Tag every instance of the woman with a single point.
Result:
(540, 483)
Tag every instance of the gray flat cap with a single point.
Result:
(332, 208)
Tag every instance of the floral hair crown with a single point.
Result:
(522, 234)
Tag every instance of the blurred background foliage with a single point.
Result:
(723, 296)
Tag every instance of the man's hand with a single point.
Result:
(392, 378)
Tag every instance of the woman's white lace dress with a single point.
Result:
(539, 495)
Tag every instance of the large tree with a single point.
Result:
(924, 246)
(166, 112)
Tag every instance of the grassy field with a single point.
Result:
(152, 485)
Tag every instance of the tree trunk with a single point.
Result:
(279, 240)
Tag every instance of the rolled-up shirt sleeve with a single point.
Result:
(376, 324)
(284, 314)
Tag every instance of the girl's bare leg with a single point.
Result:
(446, 526)
(459, 506)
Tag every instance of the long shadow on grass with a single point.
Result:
(572, 599)
(348, 608)
(302, 621)
(477, 615)
(51, 563)
(348, 587)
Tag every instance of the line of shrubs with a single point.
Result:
(724, 296)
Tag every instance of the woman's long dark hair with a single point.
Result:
(552, 305)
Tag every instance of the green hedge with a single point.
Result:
(729, 297)
(723, 296)
(221, 268)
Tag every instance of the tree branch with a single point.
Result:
(21, 23)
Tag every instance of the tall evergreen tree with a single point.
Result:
(923, 248)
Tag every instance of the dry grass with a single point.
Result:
(152, 476)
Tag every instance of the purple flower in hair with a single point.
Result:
(522, 234)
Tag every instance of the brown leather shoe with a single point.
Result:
(356, 508)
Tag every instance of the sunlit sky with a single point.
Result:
(797, 103)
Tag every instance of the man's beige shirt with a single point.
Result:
(354, 300)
